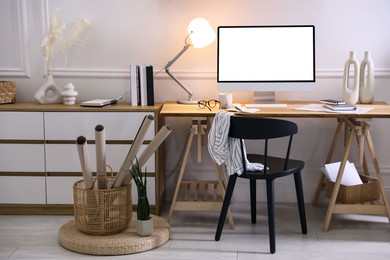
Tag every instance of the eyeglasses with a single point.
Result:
(209, 104)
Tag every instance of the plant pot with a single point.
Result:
(144, 227)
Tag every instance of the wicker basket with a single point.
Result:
(7, 92)
(102, 211)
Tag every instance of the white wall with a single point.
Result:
(128, 32)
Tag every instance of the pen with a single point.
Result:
(239, 109)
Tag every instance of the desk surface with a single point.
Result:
(36, 107)
(380, 110)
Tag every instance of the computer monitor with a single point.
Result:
(265, 59)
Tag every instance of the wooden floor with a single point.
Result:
(350, 237)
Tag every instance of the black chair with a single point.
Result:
(274, 167)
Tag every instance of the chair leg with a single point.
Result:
(301, 202)
(271, 214)
(225, 205)
(252, 184)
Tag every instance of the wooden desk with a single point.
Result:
(356, 125)
(381, 110)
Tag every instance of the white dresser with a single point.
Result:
(38, 155)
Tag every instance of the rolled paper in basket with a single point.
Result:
(152, 147)
(100, 142)
(84, 161)
(139, 138)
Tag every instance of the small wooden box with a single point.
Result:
(368, 191)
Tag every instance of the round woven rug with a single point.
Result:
(126, 242)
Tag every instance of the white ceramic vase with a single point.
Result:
(69, 94)
(366, 86)
(49, 92)
(144, 227)
(351, 89)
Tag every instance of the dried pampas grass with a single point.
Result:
(55, 37)
(48, 43)
(80, 27)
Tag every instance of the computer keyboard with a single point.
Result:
(264, 105)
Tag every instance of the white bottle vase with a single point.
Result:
(49, 92)
(351, 91)
(366, 86)
(69, 94)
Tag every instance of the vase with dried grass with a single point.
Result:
(49, 92)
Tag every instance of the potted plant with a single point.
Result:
(144, 221)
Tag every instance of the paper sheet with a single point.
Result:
(124, 170)
(152, 147)
(100, 143)
(350, 176)
(84, 161)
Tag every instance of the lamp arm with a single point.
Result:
(180, 84)
(169, 64)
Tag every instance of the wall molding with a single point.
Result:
(184, 74)
(20, 19)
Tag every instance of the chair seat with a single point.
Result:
(275, 167)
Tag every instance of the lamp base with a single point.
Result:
(188, 102)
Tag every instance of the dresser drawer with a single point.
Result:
(65, 158)
(60, 189)
(22, 157)
(118, 125)
(22, 189)
(21, 125)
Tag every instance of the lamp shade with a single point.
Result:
(201, 32)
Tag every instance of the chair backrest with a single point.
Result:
(260, 128)
(245, 127)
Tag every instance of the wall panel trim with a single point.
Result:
(21, 20)
(185, 74)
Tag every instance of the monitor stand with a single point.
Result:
(263, 97)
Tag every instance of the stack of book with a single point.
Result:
(337, 105)
(141, 85)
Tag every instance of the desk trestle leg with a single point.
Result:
(198, 195)
(360, 130)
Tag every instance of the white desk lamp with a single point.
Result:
(201, 34)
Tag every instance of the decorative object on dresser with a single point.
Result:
(69, 94)
(367, 85)
(49, 92)
(351, 91)
(7, 92)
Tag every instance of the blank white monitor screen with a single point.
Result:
(266, 58)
